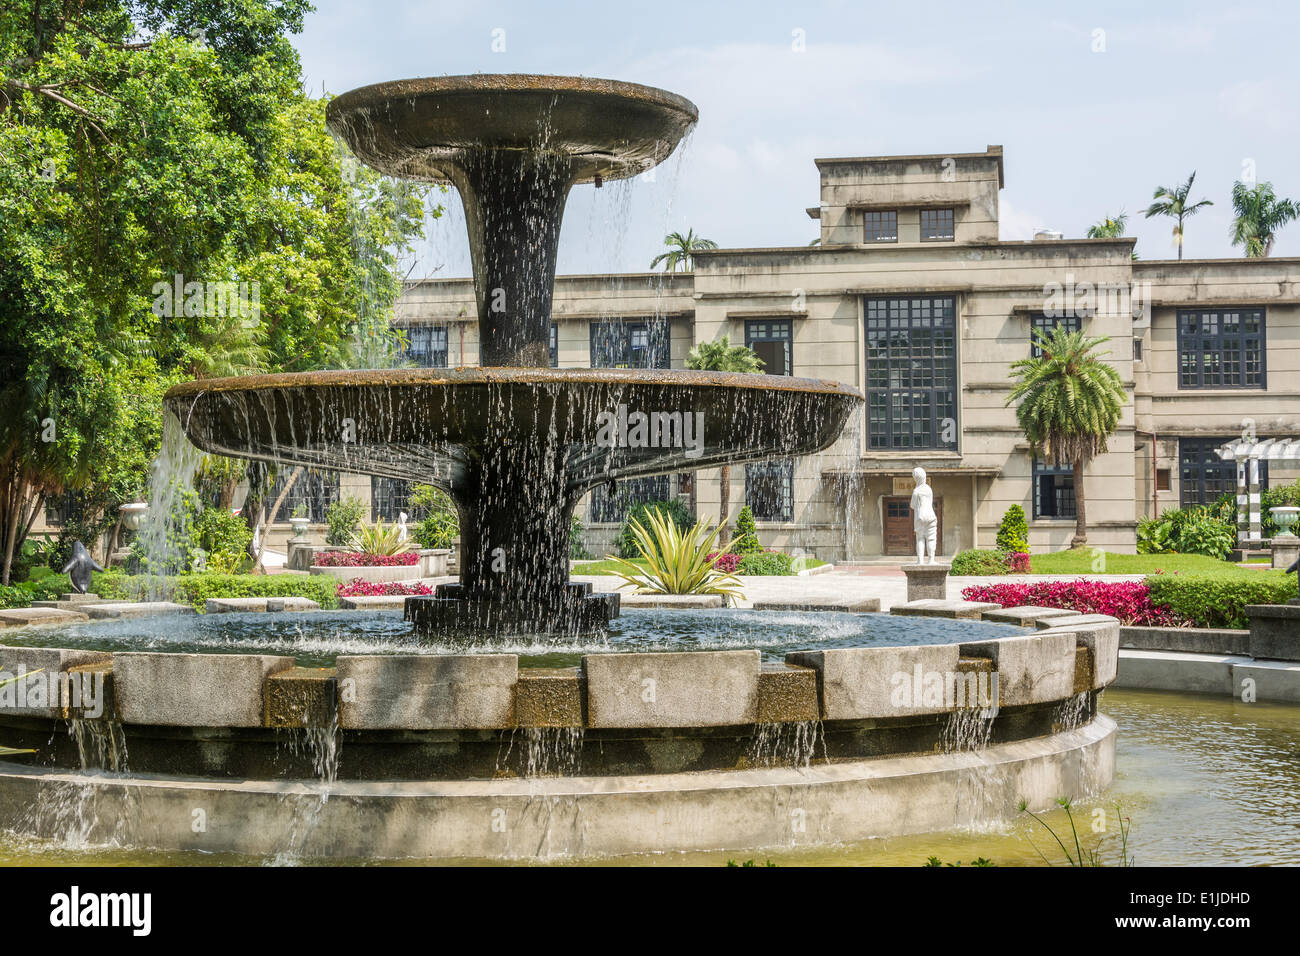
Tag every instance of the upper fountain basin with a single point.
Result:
(426, 128)
(433, 424)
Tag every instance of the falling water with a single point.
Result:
(967, 729)
(1072, 712)
(101, 744)
(788, 743)
(552, 751)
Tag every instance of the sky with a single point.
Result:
(1095, 105)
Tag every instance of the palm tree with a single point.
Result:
(722, 356)
(1260, 214)
(1173, 202)
(1070, 404)
(1111, 227)
(681, 249)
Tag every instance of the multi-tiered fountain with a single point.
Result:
(514, 442)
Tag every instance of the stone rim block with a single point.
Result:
(427, 691)
(860, 683)
(1102, 640)
(672, 689)
(549, 697)
(193, 690)
(1035, 669)
(49, 660)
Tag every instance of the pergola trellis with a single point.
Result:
(1248, 453)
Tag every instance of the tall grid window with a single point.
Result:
(881, 225)
(389, 497)
(607, 508)
(426, 345)
(1053, 490)
(314, 491)
(1204, 477)
(555, 346)
(1042, 324)
(911, 346)
(618, 343)
(936, 224)
(1221, 349)
(769, 490)
(771, 341)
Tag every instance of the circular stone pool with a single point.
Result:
(317, 638)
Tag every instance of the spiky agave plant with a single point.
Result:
(380, 539)
(676, 562)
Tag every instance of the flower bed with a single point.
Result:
(1130, 601)
(359, 587)
(358, 559)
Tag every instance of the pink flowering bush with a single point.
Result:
(1017, 562)
(728, 563)
(359, 559)
(359, 588)
(1130, 601)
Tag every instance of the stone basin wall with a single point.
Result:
(475, 715)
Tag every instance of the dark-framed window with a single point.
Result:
(1137, 350)
(605, 508)
(936, 224)
(630, 343)
(771, 339)
(1204, 477)
(1042, 324)
(911, 344)
(1053, 490)
(555, 346)
(426, 345)
(1221, 348)
(62, 508)
(315, 490)
(389, 497)
(880, 225)
(769, 490)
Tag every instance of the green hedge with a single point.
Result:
(971, 561)
(1219, 601)
(766, 563)
(195, 589)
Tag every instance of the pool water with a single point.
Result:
(1202, 781)
(316, 638)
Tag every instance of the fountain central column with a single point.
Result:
(514, 203)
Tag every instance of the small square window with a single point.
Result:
(881, 225)
(1162, 479)
(936, 224)
(1137, 350)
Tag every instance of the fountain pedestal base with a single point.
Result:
(576, 610)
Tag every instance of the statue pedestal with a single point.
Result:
(927, 581)
(1286, 550)
(299, 556)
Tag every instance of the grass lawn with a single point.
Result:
(1082, 562)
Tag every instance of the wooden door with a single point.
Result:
(899, 537)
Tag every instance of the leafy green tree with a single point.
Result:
(681, 251)
(1069, 404)
(1013, 532)
(142, 140)
(1175, 202)
(1259, 215)
(722, 356)
(1111, 227)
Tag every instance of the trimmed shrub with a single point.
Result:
(1205, 600)
(675, 510)
(343, 518)
(1187, 531)
(195, 589)
(973, 561)
(1130, 601)
(1018, 562)
(728, 562)
(11, 596)
(1013, 532)
(746, 541)
(765, 563)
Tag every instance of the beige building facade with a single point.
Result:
(910, 296)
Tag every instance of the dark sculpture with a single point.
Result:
(79, 567)
(515, 443)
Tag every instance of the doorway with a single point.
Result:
(899, 539)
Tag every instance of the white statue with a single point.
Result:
(401, 526)
(925, 523)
